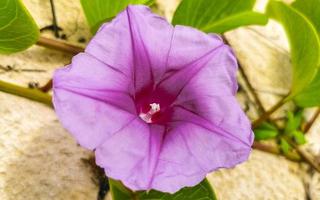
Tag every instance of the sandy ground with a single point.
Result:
(40, 160)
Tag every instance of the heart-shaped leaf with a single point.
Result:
(18, 30)
(310, 9)
(304, 44)
(310, 96)
(99, 11)
(217, 16)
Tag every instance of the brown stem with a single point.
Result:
(251, 89)
(275, 150)
(58, 45)
(47, 86)
(304, 155)
(247, 82)
(268, 113)
(54, 20)
(265, 148)
(307, 158)
(312, 120)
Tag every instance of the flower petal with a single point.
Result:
(206, 133)
(217, 77)
(90, 121)
(88, 96)
(189, 152)
(222, 115)
(188, 45)
(212, 74)
(136, 42)
(131, 154)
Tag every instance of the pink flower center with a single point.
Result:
(147, 117)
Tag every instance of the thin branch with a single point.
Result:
(60, 46)
(9, 68)
(47, 86)
(304, 155)
(54, 20)
(267, 114)
(311, 122)
(276, 151)
(32, 94)
(247, 82)
(266, 148)
(251, 89)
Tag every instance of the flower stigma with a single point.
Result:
(147, 117)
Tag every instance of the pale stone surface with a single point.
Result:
(263, 176)
(39, 160)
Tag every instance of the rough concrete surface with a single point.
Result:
(40, 160)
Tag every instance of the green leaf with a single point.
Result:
(216, 15)
(304, 44)
(18, 30)
(310, 9)
(310, 96)
(202, 191)
(293, 123)
(118, 191)
(298, 137)
(265, 131)
(284, 146)
(100, 11)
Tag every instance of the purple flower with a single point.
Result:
(155, 102)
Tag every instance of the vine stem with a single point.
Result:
(304, 155)
(268, 113)
(247, 82)
(250, 87)
(32, 94)
(307, 158)
(58, 45)
(265, 114)
(276, 151)
(54, 19)
(312, 120)
(47, 86)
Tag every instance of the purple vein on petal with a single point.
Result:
(218, 130)
(97, 99)
(134, 75)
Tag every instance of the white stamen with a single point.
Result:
(154, 108)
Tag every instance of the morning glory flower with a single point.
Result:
(156, 103)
